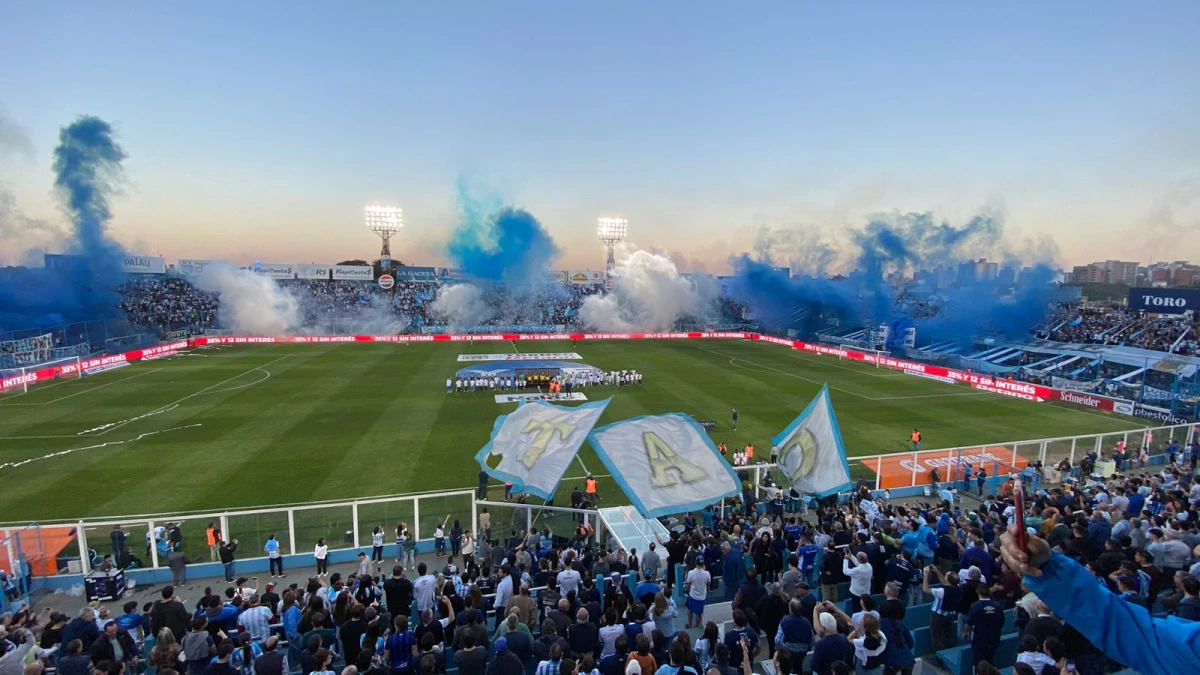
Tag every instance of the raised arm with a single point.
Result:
(1122, 630)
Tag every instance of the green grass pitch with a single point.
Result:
(246, 426)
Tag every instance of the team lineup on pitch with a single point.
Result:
(278, 424)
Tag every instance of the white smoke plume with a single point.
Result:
(649, 295)
(250, 303)
(461, 305)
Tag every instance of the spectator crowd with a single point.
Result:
(1119, 326)
(827, 591)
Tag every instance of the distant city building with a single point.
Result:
(977, 271)
(1107, 272)
(1176, 274)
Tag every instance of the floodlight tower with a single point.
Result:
(384, 221)
(612, 231)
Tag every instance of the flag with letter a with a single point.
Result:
(536, 444)
(665, 463)
(811, 453)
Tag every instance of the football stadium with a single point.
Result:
(340, 421)
(594, 429)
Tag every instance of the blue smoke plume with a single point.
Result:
(84, 286)
(887, 253)
(800, 303)
(500, 243)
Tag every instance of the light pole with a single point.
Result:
(612, 231)
(384, 221)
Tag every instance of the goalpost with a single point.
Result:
(29, 355)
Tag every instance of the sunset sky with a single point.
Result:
(260, 130)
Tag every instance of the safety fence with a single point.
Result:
(37, 555)
(915, 469)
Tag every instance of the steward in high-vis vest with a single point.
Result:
(590, 488)
(916, 440)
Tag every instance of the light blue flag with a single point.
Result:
(811, 453)
(665, 463)
(536, 444)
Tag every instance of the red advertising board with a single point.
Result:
(996, 385)
(88, 364)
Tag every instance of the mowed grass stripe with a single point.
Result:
(259, 442)
(386, 453)
(353, 420)
(144, 475)
(167, 380)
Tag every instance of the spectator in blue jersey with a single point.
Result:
(984, 623)
(647, 589)
(795, 633)
(733, 567)
(274, 556)
(808, 558)
(976, 555)
(1123, 631)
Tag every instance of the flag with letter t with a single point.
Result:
(665, 463)
(811, 453)
(536, 444)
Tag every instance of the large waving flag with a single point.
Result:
(665, 463)
(811, 453)
(536, 444)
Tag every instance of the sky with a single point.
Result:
(258, 131)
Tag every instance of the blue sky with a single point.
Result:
(260, 132)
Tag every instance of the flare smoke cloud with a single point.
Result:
(883, 257)
(650, 294)
(498, 242)
(87, 167)
(250, 303)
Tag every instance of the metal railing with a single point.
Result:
(344, 525)
(914, 469)
(348, 525)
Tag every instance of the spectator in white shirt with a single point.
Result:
(569, 580)
(859, 571)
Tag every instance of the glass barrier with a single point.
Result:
(334, 524)
(1030, 452)
(251, 531)
(189, 533)
(100, 539)
(443, 509)
(387, 515)
(1057, 451)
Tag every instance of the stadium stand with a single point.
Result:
(527, 602)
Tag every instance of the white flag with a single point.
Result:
(665, 463)
(536, 444)
(811, 453)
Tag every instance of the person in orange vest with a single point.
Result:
(211, 533)
(722, 448)
(916, 440)
(590, 489)
(750, 453)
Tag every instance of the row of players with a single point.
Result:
(619, 378)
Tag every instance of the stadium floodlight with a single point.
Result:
(612, 231)
(384, 221)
